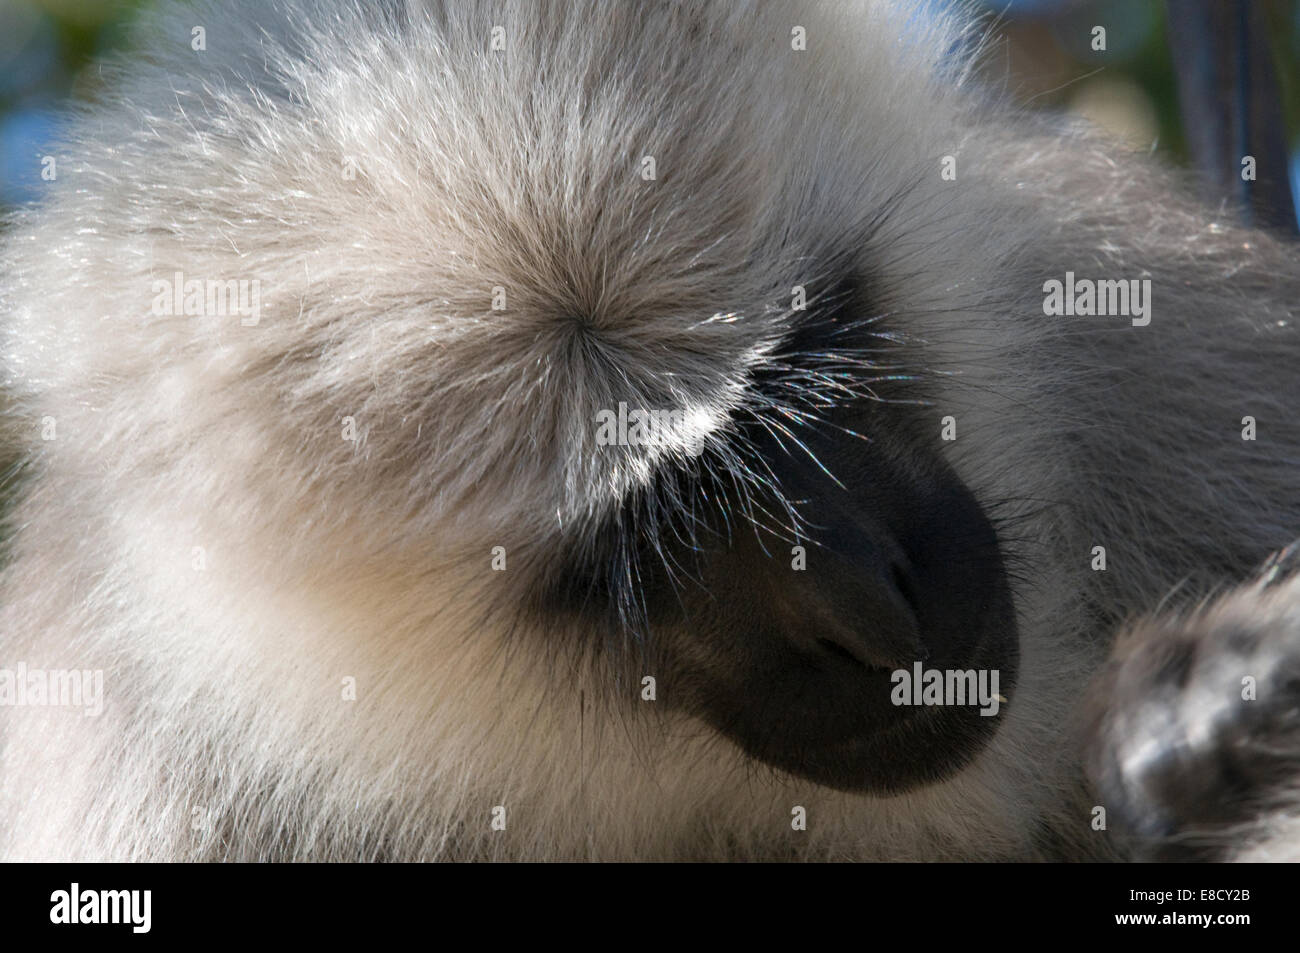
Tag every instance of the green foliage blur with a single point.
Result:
(47, 53)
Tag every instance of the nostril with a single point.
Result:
(834, 648)
(831, 647)
(906, 590)
(903, 586)
(871, 622)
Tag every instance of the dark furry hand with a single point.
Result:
(1195, 726)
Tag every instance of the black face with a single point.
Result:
(796, 666)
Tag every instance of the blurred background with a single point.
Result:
(1232, 61)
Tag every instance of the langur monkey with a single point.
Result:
(461, 429)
